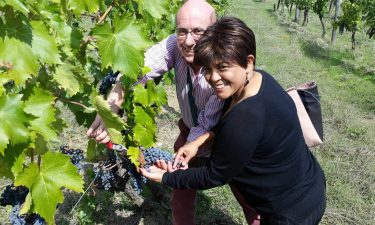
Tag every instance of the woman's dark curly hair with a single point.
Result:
(227, 40)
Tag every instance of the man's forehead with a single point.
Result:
(193, 21)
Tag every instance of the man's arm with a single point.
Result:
(159, 58)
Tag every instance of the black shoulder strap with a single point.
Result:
(193, 107)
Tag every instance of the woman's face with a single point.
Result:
(227, 79)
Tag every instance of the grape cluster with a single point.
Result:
(150, 156)
(76, 155)
(111, 174)
(137, 180)
(107, 82)
(153, 154)
(15, 196)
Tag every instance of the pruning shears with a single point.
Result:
(117, 147)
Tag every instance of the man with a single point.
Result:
(177, 51)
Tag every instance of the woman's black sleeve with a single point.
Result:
(234, 145)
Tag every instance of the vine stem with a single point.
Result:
(75, 103)
(102, 18)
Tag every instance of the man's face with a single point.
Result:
(190, 27)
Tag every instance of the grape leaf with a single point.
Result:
(144, 135)
(120, 46)
(27, 204)
(40, 105)
(18, 5)
(20, 56)
(112, 122)
(134, 154)
(82, 6)
(68, 78)
(142, 117)
(44, 45)
(140, 95)
(45, 183)
(91, 149)
(11, 163)
(13, 120)
(156, 8)
(15, 25)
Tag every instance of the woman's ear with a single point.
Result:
(250, 62)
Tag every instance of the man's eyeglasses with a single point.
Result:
(195, 33)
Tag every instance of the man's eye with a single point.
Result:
(198, 31)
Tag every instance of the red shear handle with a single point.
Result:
(109, 145)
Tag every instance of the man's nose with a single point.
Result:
(190, 41)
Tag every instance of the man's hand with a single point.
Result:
(98, 131)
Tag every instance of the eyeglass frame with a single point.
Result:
(183, 33)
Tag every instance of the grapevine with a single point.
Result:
(54, 53)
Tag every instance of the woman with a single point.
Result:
(259, 147)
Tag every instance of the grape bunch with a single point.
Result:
(15, 196)
(76, 155)
(150, 156)
(153, 154)
(107, 82)
(137, 180)
(111, 175)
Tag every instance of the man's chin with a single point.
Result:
(189, 58)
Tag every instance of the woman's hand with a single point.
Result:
(184, 155)
(156, 172)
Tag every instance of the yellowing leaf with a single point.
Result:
(134, 154)
(45, 183)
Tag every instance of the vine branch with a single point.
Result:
(102, 18)
(75, 103)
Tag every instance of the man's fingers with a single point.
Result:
(101, 136)
(93, 126)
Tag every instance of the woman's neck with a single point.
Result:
(251, 89)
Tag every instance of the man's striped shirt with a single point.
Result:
(164, 56)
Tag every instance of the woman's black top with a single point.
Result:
(259, 148)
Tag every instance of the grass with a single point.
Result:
(293, 54)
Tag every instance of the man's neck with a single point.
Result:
(196, 69)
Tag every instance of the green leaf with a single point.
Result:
(91, 149)
(13, 120)
(44, 45)
(45, 183)
(11, 163)
(18, 5)
(20, 56)
(82, 6)
(27, 204)
(140, 94)
(68, 78)
(15, 25)
(144, 135)
(142, 117)
(40, 105)
(112, 122)
(134, 154)
(120, 47)
(156, 8)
